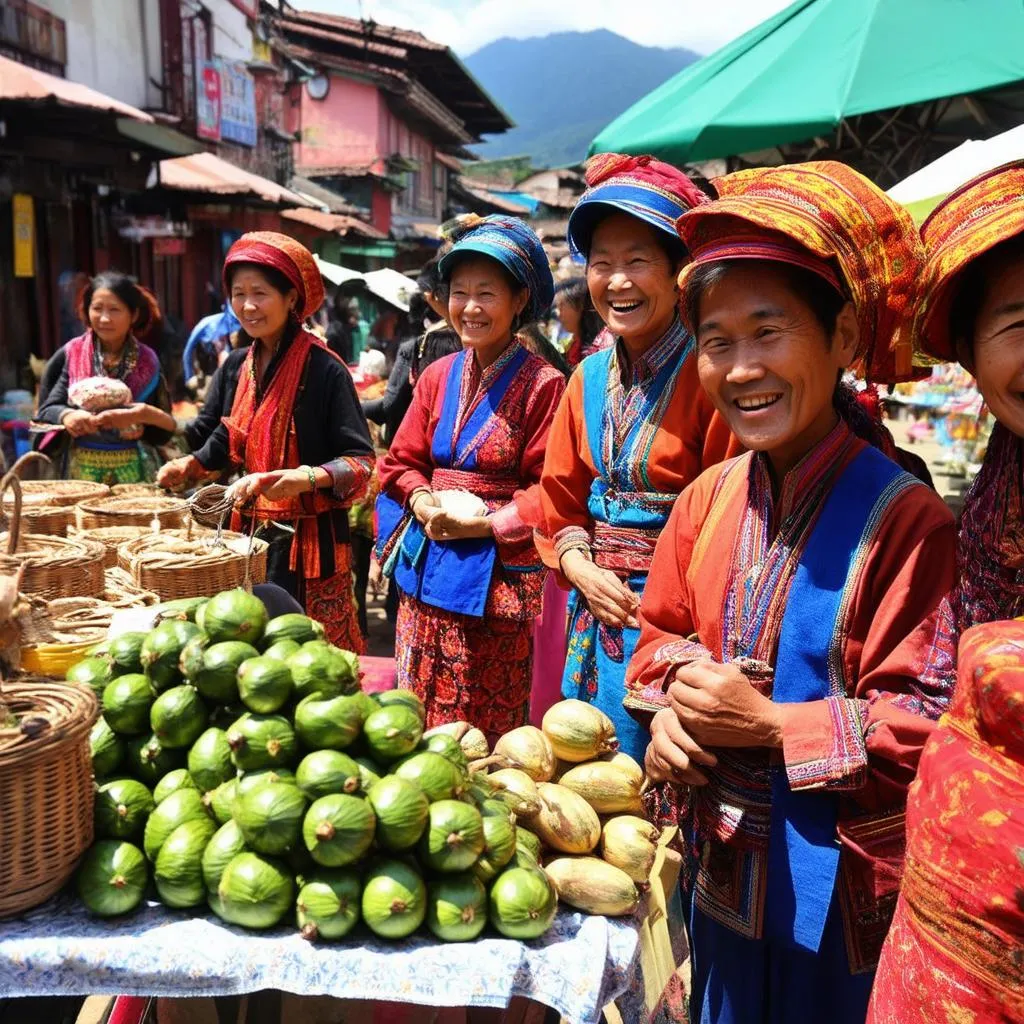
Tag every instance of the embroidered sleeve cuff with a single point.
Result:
(350, 476)
(571, 538)
(508, 525)
(653, 696)
(823, 744)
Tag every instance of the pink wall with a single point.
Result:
(340, 130)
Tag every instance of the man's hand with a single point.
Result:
(718, 706)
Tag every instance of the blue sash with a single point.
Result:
(453, 575)
(802, 846)
(604, 503)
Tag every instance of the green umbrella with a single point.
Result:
(799, 74)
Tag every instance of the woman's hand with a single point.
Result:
(285, 483)
(719, 707)
(119, 419)
(609, 599)
(176, 474)
(445, 526)
(423, 505)
(673, 755)
(138, 414)
(79, 423)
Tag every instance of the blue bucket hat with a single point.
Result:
(648, 189)
(509, 241)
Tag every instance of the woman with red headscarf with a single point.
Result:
(295, 429)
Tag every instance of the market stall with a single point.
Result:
(261, 820)
(578, 967)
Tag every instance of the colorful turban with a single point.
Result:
(655, 192)
(291, 258)
(828, 218)
(965, 225)
(509, 241)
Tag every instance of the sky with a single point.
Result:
(466, 25)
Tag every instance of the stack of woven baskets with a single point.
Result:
(46, 788)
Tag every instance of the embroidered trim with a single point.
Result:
(570, 538)
(845, 766)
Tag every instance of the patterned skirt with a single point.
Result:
(106, 464)
(464, 668)
(332, 601)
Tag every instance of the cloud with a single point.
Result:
(466, 25)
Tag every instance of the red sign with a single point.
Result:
(208, 102)
(250, 8)
(168, 246)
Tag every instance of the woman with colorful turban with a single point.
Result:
(634, 427)
(470, 579)
(955, 949)
(295, 429)
(107, 434)
(792, 599)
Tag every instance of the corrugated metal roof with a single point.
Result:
(20, 82)
(204, 172)
(334, 223)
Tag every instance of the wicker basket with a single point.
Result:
(48, 520)
(173, 565)
(46, 791)
(60, 492)
(54, 566)
(135, 510)
(134, 490)
(112, 537)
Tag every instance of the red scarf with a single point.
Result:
(262, 439)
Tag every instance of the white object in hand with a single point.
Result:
(461, 504)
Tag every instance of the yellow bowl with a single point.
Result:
(54, 660)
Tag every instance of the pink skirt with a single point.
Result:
(549, 645)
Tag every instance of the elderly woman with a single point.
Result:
(107, 446)
(633, 429)
(956, 941)
(295, 430)
(471, 581)
(791, 599)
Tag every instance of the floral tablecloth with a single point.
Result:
(578, 967)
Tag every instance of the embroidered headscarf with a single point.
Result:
(968, 223)
(291, 258)
(990, 547)
(514, 245)
(827, 218)
(655, 192)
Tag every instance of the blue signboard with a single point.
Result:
(237, 103)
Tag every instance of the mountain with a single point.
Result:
(562, 89)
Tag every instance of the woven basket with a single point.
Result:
(134, 490)
(173, 566)
(60, 492)
(112, 537)
(46, 791)
(54, 566)
(48, 520)
(135, 510)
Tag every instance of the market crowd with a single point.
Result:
(690, 515)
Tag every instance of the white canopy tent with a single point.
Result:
(926, 188)
(335, 273)
(387, 284)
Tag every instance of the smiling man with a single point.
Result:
(633, 429)
(787, 618)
